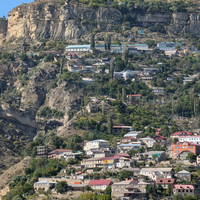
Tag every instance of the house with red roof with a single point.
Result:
(180, 133)
(183, 190)
(165, 182)
(99, 184)
(160, 140)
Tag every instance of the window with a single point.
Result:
(179, 191)
(190, 190)
(186, 190)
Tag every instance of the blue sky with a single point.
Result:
(8, 5)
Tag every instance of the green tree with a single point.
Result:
(23, 56)
(149, 189)
(105, 43)
(125, 54)
(92, 41)
(108, 190)
(198, 46)
(178, 47)
(57, 141)
(169, 190)
(61, 187)
(123, 94)
(177, 197)
(62, 2)
(131, 152)
(110, 123)
(108, 42)
(122, 175)
(88, 188)
(192, 157)
(112, 68)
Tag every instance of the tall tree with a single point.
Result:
(61, 65)
(172, 106)
(118, 95)
(192, 100)
(130, 99)
(125, 54)
(103, 107)
(123, 94)
(109, 41)
(112, 66)
(92, 41)
(105, 42)
(110, 122)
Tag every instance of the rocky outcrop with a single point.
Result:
(92, 108)
(3, 30)
(70, 21)
(50, 20)
(39, 85)
(62, 100)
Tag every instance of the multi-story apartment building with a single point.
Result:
(179, 147)
(148, 141)
(156, 173)
(190, 138)
(96, 144)
(167, 45)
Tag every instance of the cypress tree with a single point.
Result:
(92, 41)
(105, 43)
(125, 54)
(112, 68)
(110, 123)
(108, 42)
(123, 94)
(130, 99)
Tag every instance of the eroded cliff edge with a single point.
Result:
(70, 21)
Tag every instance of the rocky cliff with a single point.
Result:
(50, 20)
(70, 21)
(3, 29)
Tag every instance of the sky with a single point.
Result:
(8, 5)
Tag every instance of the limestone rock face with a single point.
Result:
(39, 84)
(60, 99)
(50, 20)
(3, 30)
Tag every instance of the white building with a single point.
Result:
(148, 141)
(133, 134)
(96, 144)
(141, 46)
(78, 48)
(158, 90)
(88, 80)
(156, 173)
(193, 138)
(125, 74)
(168, 45)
